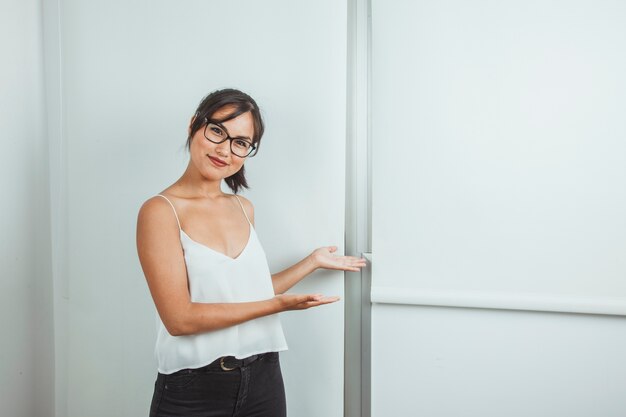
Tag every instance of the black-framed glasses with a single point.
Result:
(217, 133)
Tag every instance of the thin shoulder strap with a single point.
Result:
(244, 211)
(168, 200)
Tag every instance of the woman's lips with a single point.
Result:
(217, 162)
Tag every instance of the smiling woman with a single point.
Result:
(219, 333)
(225, 111)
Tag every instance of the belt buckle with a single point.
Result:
(224, 367)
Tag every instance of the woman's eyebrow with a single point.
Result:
(234, 137)
(241, 137)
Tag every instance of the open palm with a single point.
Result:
(324, 258)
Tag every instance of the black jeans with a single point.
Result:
(252, 390)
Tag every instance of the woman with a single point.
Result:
(219, 333)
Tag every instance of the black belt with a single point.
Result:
(228, 363)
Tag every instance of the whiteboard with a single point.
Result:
(499, 151)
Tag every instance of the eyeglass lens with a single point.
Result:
(216, 134)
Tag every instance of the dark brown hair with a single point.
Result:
(240, 103)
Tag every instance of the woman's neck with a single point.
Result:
(195, 185)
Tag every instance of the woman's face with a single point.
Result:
(204, 152)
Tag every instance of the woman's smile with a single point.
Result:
(217, 162)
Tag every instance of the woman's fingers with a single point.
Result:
(326, 259)
(303, 301)
(326, 300)
(314, 300)
(306, 298)
(321, 301)
(350, 263)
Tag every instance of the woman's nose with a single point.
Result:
(223, 148)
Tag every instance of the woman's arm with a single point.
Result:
(320, 258)
(204, 317)
(162, 261)
(289, 277)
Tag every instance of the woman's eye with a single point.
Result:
(242, 143)
(217, 130)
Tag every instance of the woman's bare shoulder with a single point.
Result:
(155, 210)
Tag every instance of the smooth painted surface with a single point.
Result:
(26, 345)
(498, 168)
(133, 74)
(448, 362)
(499, 159)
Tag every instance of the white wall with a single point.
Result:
(109, 67)
(499, 180)
(508, 117)
(448, 362)
(26, 345)
(132, 75)
(89, 145)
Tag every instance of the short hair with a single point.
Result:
(240, 103)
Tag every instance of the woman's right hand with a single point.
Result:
(302, 301)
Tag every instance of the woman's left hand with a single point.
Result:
(323, 258)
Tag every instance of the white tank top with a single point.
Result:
(217, 278)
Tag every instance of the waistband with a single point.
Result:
(227, 363)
